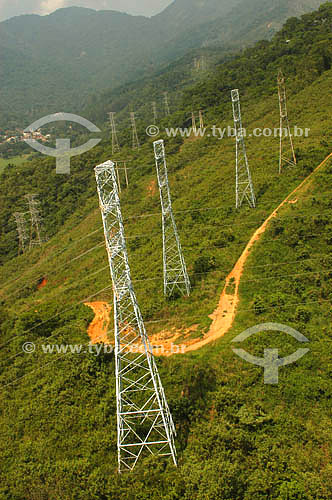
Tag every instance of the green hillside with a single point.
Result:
(237, 438)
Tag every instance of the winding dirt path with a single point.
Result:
(99, 326)
(224, 315)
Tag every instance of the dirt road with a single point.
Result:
(99, 326)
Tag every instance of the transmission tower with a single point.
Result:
(201, 120)
(126, 172)
(200, 63)
(285, 132)
(175, 272)
(144, 422)
(124, 167)
(244, 185)
(136, 144)
(115, 142)
(118, 176)
(21, 231)
(167, 110)
(193, 122)
(35, 218)
(154, 110)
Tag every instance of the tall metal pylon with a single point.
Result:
(154, 110)
(244, 185)
(115, 142)
(176, 278)
(200, 63)
(285, 156)
(124, 167)
(144, 422)
(193, 122)
(201, 120)
(167, 110)
(36, 220)
(136, 144)
(21, 231)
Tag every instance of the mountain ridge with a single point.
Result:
(76, 51)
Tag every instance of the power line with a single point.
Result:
(55, 316)
(157, 214)
(145, 235)
(54, 272)
(153, 214)
(279, 306)
(49, 257)
(327, 271)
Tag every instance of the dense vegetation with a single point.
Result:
(237, 438)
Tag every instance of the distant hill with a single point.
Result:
(54, 62)
(230, 24)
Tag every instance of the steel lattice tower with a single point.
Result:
(167, 110)
(124, 167)
(175, 272)
(244, 185)
(115, 142)
(36, 220)
(201, 120)
(154, 110)
(285, 132)
(193, 122)
(21, 231)
(136, 144)
(144, 422)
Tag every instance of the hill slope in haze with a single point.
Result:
(238, 438)
(53, 62)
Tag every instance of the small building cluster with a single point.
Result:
(20, 136)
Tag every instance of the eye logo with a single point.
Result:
(271, 361)
(62, 152)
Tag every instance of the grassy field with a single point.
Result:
(17, 161)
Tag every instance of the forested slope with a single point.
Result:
(237, 438)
